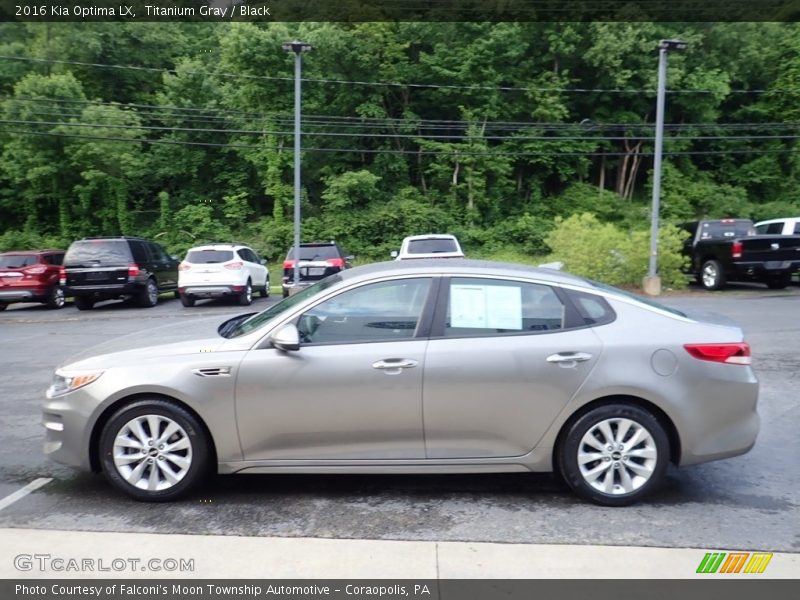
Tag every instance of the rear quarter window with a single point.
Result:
(593, 309)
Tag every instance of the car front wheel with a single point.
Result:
(149, 296)
(56, 299)
(614, 455)
(154, 450)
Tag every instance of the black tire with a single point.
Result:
(285, 293)
(265, 289)
(148, 297)
(177, 294)
(778, 282)
(620, 464)
(246, 297)
(187, 300)
(82, 303)
(712, 275)
(3, 306)
(56, 298)
(198, 451)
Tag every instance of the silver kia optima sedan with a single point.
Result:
(429, 367)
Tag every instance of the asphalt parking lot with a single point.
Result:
(750, 502)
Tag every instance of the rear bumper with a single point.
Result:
(23, 294)
(104, 290)
(211, 291)
(760, 270)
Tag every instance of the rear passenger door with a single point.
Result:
(164, 267)
(505, 357)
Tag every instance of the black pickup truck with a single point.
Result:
(729, 250)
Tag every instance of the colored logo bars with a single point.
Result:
(734, 562)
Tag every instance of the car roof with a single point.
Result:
(217, 247)
(30, 252)
(780, 220)
(431, 236)
(458, 266)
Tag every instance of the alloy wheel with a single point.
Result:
(617, 456)
(152, 452)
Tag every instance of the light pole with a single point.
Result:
(652, 282)
(297, 48)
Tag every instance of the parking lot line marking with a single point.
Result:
(19, 494)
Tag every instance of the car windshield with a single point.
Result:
(315, 252)
(712, 230)
(641, 299)
(16, 261)
(432, 246)
(103, 251)
(273, 311)
(200, 257)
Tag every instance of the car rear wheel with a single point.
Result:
(246, 297)
(154, 450)
(614, 455)
(187, 300)
(84, 303)
(712, 276)
(148, 298)
(778, 282)
(265, 289)
(56, 299)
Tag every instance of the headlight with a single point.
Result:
(69, 382)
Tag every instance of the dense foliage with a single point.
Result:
(183, 133)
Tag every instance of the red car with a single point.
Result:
(31, 276)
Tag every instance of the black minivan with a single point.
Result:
(102, 268)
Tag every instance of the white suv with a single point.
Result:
(433, 245)
(217, 270)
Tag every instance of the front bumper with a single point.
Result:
(67, 425)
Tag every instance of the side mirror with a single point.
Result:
(394, 254)
(350, 258)
(263, 261)
(287, 338)
(175, 258)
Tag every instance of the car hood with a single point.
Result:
(199, 335)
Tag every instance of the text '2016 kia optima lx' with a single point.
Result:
(410, 367)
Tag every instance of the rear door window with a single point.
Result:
(111, 252)
(203, 257)
(490, 307)
(17, 261)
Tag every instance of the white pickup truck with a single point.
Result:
(789, 226)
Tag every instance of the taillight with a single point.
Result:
(733, 354)
(736, 250)
(336, 262)
(234, 266)
(184, 266)
(288, 264)
(62, 276)
(133, 270)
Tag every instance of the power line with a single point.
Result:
(401, 151)
(361, 135)
(433, 86)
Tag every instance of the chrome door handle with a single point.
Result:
(395, 363)
(569, 357)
